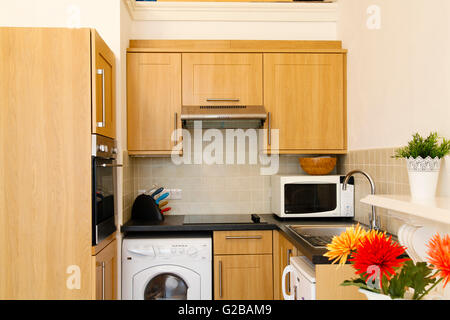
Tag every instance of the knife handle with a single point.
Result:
(162, 204)
(162, 197)
(166, 209)
(156, 192)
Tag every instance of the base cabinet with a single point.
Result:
(328, 283)
(105, 275)
(283, 250)
(243, 267)
(243, 277)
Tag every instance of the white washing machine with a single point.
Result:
(167, 268)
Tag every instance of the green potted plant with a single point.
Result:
(423, 157)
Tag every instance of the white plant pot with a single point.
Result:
(423, 177)
(378, 296)
(374, 296)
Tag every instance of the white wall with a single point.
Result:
(399, 75)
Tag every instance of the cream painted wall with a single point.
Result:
(234, 30)
(398, 75)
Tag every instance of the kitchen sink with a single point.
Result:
(318, 236)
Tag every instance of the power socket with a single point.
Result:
(175, 194)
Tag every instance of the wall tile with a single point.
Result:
(390, 176)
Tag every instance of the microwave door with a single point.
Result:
(310, 198)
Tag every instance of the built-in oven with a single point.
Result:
(312, 196)
(104, 186)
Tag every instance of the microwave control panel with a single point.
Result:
(348, 201)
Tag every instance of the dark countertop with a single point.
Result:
(176, 224)
(269, 222)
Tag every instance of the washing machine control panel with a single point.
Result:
(171, 251)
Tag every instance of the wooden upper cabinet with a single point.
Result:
(222, 79)
(154, 101)
(305, 95)
(103, 88)
(45, 148)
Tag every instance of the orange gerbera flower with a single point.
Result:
(342, 246)
(439, 256)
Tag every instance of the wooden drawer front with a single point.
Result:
(243, 277)
(243, 242)
(222, 79)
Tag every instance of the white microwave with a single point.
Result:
(312, 197)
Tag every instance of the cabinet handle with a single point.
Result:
(220, 279)
(103, 123)
(223, 100)
(176, 127)
(288, 277)
(103, 280)
(107, 165)
(243, 237)
(269, 125)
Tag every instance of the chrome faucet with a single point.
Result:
(373, 217)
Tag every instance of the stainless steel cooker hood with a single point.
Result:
(224, 117)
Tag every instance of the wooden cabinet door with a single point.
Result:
(328, 283)
(304, 94)
(222, 79)
(103, 88)
(243, 277)
(283, 250)
(105, 263)
(154, 101)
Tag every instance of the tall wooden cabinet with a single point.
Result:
(46, 95)
(154, 102)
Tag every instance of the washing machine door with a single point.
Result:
(166, 282)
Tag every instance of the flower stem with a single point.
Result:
(431, 288)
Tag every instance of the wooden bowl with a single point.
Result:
(318, 166)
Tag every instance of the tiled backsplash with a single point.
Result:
(389, 174)
(240, 189)
(207, 189)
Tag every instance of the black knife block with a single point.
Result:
(145, 208)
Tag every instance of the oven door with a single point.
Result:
(103, 198)
(312, 199)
